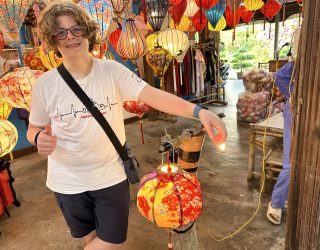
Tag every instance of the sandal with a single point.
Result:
(274, 214)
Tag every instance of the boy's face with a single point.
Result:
(74, 45)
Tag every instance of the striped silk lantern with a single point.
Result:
(189, 153)
(271, 8)
(113, 39)
(220, 25)
(5, 110)
(152, 41)
(245, 14)
(49, 58)
(199, 21)
(231, 19)
(8, 137)
(108, 55)
(175, 41)
(215, 13)
(169, 197)
(206, 4)
(132, 43)
(156, 13)
(191, 9)
(120, 6)
(1, 41)
(33, 61)
(159, 60)
(177, 11)
(16, 87)
(183, 25)
(253, 5)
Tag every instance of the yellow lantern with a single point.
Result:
(220, 25)
(253, 5)
(49, 59)
(159, 60)
(169, 197)
(8, 137)
(192, 9)
(183, 25)
(152, 41)
(16, 87)
(5, 110)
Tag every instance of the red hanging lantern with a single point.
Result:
(245, 14)
(33, 61)
(174, 2)
(169, 197)
(138, 108)
(113, 39)
(299, 1)
(177, 11)
(271, 8)
(206, 4)
(199, 20)
(233, 4)
(232, 18)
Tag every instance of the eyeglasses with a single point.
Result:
(62, 33)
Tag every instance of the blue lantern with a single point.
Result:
(215, 13)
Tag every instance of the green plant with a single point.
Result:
(242, 59)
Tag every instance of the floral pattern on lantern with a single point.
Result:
(156, 13)
(183, 25)
(132, 43)
(245, 14)
(12, 14)
(33, 61)
(49, 59)
(215, 13)
(207, 4)
(16, 87)
(191, 9)
(8, 137)
(271, 8)
(219, 26)
(5, 110)
(199, 21)
(169, 197)
(253, 5)
(120, 6)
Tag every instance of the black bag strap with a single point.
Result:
(95, 112)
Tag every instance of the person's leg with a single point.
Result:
(98, 244)
(90, 236)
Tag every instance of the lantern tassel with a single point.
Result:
(174, 79)
(181, 82)
(141, 130)
(170, 247)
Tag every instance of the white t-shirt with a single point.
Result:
(84, 159)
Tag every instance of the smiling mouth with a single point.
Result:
(73, 45)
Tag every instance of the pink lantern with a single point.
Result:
(191, 9)
(138, 108)
(16, 87)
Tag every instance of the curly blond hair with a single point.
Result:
(47, 24)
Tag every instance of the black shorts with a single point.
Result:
(105, 210)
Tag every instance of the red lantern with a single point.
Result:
(199, 20)
(169, 197)
(138, 108)
(271, 8)
(299, 1)
(245, 14)
(33, 61)
(177, 11)
(174, 2)
(207, 4)
(1, 41)
(114, 38)
(232, 19)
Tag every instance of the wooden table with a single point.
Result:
(272, 128)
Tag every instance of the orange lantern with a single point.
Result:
(245, 14)
(253, 5)
(169, 197)
(199, 21)
(33, 61)
(183, 25)
(16, 87)
(232, 19)
(138, 108)
(5, 110)
(207, 4)
(49, 59)
(1, 41)
(191, 9)
(8, 137)
(271, 8)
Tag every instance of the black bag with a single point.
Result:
(130, 162)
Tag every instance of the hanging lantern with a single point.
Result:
(234, 4)
(253, 5)
(270, 9)
(156, 13)
(245, 14)
(1, 41)
(114, 38)
(33, 13)
(49, 58)
(219, 26)
(215, 13)
(99, 50)
(12, 14)
(169, 197)
(191, 9)
(138, 108)
(16, 87)
(199, 21)
(132, 43)
(8, 137)
(299, 1)
(5, 110)
(206, 4)
(33, 61)
(176, 12)
(183, 25)
(174, 2)
(152, 41)
(232, 19)
(120, 6)
(101, 12)
(159, 59)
